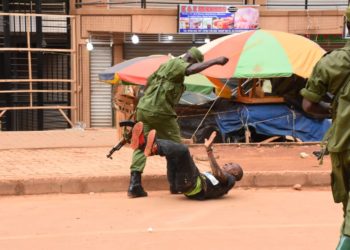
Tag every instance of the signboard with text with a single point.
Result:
(211, 19)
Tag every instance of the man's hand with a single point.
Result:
(321, 110)
(208, 143)
(222, 60)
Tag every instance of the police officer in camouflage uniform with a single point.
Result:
(156, 109)
(332, 74)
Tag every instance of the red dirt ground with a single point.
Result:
(266, 219)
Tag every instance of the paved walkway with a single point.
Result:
(74, 161)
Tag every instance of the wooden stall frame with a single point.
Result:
(252, 98)
(30, 80)
(125, 105)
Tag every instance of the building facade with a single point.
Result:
(109, 26)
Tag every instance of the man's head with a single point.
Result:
(233, 169)
(193, 55)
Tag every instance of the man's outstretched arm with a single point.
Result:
(215, 168)
(198, 67)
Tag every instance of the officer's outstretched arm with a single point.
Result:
(198, 67)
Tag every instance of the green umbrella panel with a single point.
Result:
(199, 84)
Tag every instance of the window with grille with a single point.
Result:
(311, 4)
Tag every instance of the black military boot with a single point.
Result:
(135, 188)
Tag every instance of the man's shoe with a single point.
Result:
(151, 147)
(137, 137)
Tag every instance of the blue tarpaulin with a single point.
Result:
(272, 120)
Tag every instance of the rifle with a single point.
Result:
(126, 137)
(320, 153)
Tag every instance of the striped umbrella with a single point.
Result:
(262, 54)
(252, 54)
(134, 71)
(137, 70)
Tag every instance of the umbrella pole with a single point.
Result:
(210, 108)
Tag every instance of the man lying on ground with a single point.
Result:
(188, 180)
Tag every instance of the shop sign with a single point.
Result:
(213, 19)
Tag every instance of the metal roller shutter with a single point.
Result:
(135, 50)
(152, 44)
(338, 4)
(101, 93)
(292, 4)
